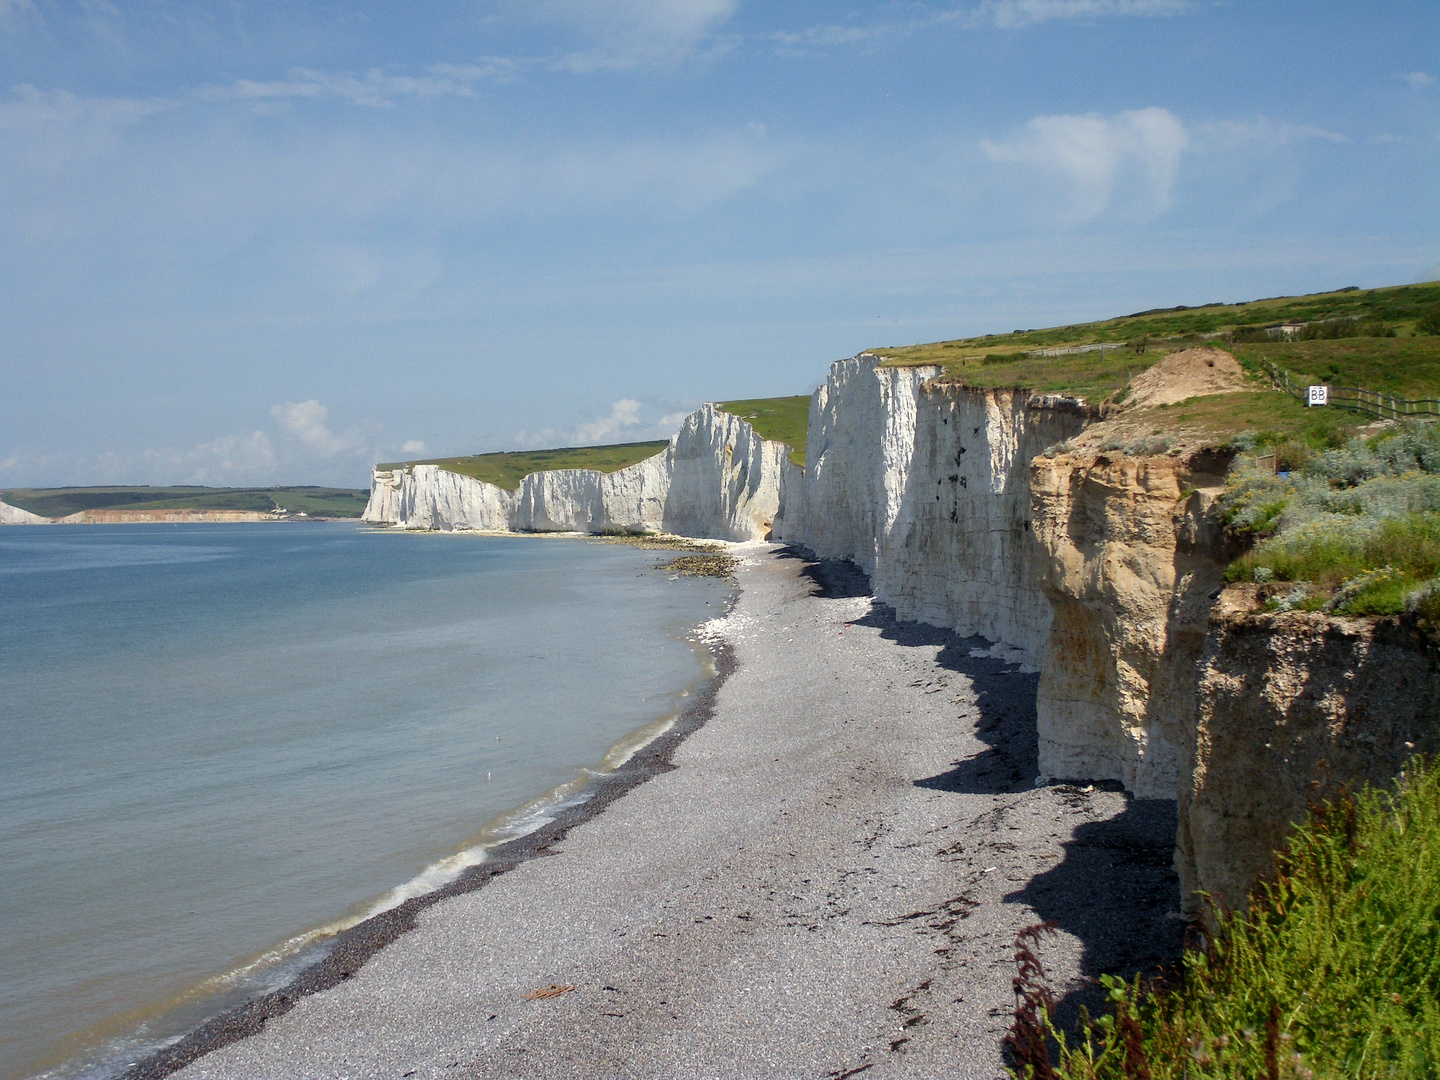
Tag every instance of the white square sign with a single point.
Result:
(1319, 395)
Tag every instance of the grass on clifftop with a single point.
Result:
(1334, 973)
(1407, 365)
(507, 469)
(784, 419)
(314, 501)
(1352, 529)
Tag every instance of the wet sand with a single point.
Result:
(829, 881)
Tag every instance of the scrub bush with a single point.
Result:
(1359, 524)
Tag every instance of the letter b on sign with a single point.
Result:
(1319, 395)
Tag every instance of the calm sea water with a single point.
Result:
(220, 743)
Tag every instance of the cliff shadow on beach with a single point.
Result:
(1115, 888)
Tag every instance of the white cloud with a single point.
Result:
(1139, 150)
(307, 421)
(1418, 80)
(413, 446)
(1014, 14)
(624, 413)
(228, 460)
(628, 34)
(628, 420)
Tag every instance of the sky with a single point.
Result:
(274, 241)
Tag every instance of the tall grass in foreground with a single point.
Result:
(1335, 972)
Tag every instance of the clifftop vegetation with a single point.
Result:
(313, 501)
(507, 468)
(1384, 339)
(783, 419)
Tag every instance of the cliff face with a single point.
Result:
(1286, 699)
(13, 515)
(1101, 568)
(926, 486)
(717, 478)
(1133, 560)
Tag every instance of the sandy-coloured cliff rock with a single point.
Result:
(1286, 699)
(1133, 563)
(176, 516)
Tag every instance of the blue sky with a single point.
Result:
(260, 242)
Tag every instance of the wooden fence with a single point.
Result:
(1386, 406)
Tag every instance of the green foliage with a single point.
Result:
(784, 419)
(1406, 366)
(1335, 971)
(1358, 524)
(314, 501)
(507, 469)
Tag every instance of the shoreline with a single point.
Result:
(348, 950)
(825, 875)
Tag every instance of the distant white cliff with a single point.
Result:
(13, 515)
(718, 478)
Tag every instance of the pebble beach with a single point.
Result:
(824, 877)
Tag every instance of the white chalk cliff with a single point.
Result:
(1100, 569)
(13, 515)
(718, 478)
(926, 485)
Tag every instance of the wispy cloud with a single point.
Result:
(834, 35)
(1418, 80)
(1260, 131)
(31, 107)
(1003, 14)
(1089, 153)
(625, 35)
(1015, 14)
(13, 12)
(375, 89)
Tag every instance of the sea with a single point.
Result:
(222, 744)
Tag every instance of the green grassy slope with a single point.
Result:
(784, 419)
(315, 501)
(1410, 361)
(507, 469)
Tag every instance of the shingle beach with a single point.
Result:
(828, 882)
